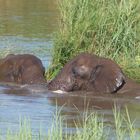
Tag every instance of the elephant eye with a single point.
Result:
(74, 72)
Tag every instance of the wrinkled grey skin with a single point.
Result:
(90, 73)
(22, 69)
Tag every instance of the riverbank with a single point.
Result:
(106, 28)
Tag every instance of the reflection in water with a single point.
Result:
(13, 107)
(29, 18)
(77, 104)
(40, 107)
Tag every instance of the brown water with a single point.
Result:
(27, 26)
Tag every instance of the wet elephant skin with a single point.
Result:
(22, 69)
(87, 72)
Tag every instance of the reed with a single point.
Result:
(92, 127)
(109, 28)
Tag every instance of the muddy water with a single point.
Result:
(39, 105)
(27, 26)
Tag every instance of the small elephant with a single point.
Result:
(90, 73)
(22, 69)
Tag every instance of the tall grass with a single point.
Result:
(92, 127)
(109, 28)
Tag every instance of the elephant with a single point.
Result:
(89, 72)
(22, 69)
(85, 72)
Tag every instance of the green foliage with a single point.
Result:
(107, 28)
(124, 127)
(92, 127)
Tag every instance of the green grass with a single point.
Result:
(109, 28)
(93, 128)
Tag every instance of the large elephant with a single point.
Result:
(22, 69)
(91, 73)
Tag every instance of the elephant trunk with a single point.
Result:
(62, 84)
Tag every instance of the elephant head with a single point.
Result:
(21, 69)
(90, 73)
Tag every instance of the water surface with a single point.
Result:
(27, 26)
(40, 107)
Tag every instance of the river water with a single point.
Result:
(27, 26)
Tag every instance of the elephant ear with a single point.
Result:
(107, 78)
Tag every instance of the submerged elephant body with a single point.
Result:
(21, 69)
(84, 72)
(91, 73)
